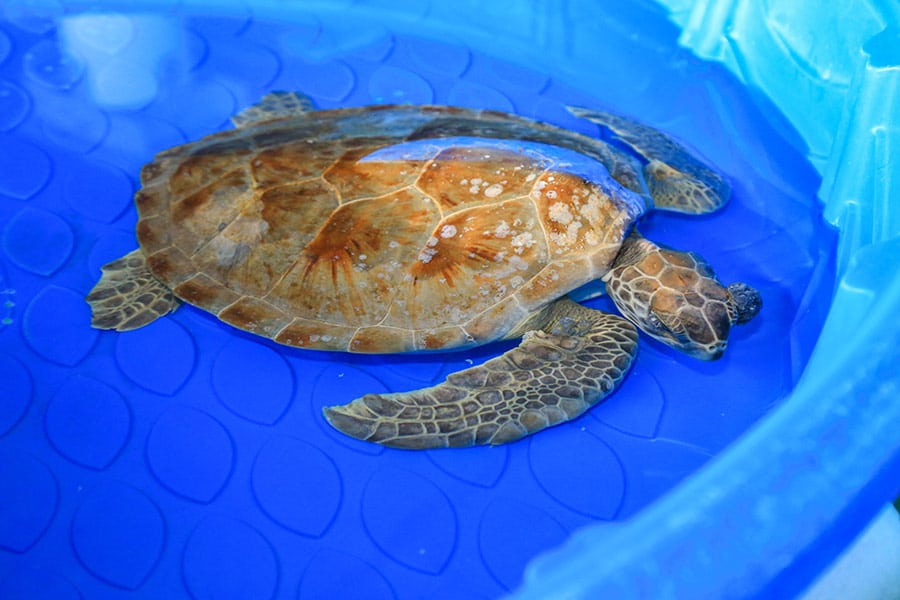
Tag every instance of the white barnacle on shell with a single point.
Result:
(494, 190)
(502, 230)
(572, 231)
(591, 210)
(522, 241)
(518, 263)
(560, 213)
(427, 254)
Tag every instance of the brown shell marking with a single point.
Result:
(460, 178)
(350, 271)
(282, 230)
(471, 261)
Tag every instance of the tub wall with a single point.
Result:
(801, 485)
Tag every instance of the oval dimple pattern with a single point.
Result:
(113, 521)
(190, 458)
(190, 453)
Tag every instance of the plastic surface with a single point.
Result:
(187, 459)
(797, 489)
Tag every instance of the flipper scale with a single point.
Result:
(542, 382)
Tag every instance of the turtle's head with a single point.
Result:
(675, 297)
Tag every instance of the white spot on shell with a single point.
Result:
(572, 229)
(432, 242)
(559, 213)
(493, 191)
(448, 231)
(522, 241)
(518, 263)
(427, 254)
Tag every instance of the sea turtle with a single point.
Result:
(389, 229)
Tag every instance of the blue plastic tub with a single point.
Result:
(188, 459)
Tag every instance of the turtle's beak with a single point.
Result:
(714, 353)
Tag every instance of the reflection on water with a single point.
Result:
(121, 55)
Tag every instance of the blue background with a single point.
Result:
(189, 459)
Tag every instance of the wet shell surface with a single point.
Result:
(384, 229)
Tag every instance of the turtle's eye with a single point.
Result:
(663, 332)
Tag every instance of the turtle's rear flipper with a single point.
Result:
(275, 105)
(677, 180)
(554, 375)
(128, 296)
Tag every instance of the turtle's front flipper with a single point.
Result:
(576, 359)
(678, 181)
(128, 296)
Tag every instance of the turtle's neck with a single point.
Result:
(633, 249)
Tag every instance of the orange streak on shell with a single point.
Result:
(472, 260)
(460, 178)
(354, 178)
(349, 272)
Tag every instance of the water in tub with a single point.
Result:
(188, 458)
